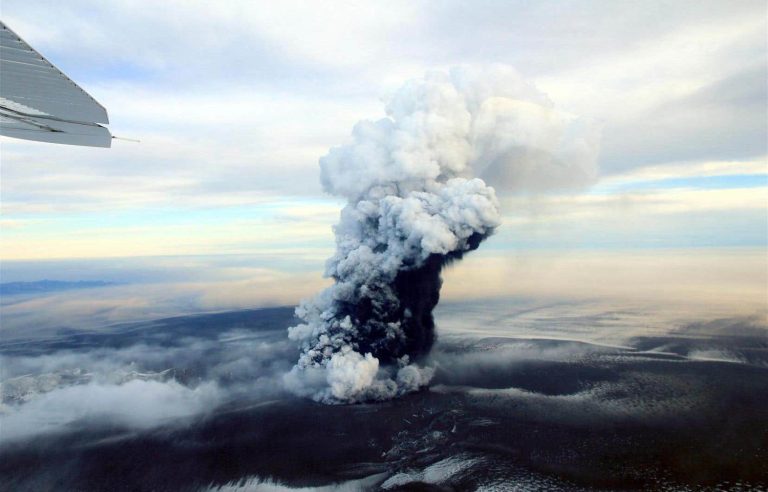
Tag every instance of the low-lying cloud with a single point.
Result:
(135, 404)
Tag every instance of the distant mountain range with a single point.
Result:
(39, 286)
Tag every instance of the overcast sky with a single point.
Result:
(234, 102)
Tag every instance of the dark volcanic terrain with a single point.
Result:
(502, 413)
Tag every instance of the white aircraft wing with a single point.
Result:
(38, 102)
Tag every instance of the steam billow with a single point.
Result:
(413, 206)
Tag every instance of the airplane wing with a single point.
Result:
(38, 102)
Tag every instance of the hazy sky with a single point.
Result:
(234, 102)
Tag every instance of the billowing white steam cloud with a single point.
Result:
(413, 206)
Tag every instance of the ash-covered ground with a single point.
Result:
(526, 396)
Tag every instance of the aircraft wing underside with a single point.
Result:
(38, 102)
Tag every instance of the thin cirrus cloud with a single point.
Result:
(685, 205)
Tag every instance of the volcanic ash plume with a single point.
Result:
(413, 207)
